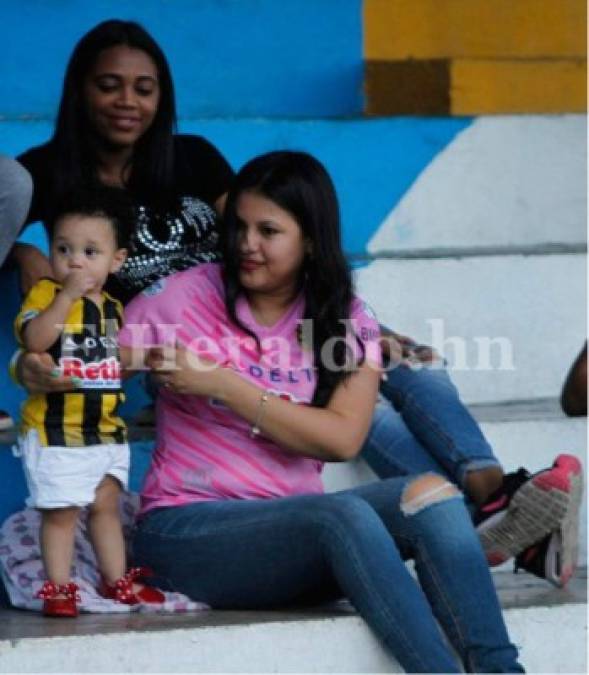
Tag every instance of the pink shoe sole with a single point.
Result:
(560, 476)
(540, 506)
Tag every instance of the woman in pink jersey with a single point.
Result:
(269, 367)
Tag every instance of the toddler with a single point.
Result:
(73, 444)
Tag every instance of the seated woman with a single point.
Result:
(276, 371)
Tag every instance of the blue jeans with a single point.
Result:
(427, 428)
(251, 554)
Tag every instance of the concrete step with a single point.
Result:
(318, 640)
(509, 325)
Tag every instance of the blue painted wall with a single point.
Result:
(373, 162)
(287, 58)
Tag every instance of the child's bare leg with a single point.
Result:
(58, 528)
(106, 532)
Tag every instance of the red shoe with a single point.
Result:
(54, 606)
(122, 589)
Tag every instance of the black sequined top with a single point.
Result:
(162, 242)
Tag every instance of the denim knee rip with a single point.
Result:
(426, 490)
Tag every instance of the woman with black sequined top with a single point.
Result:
(115, 126)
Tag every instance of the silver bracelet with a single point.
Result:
(255, 428)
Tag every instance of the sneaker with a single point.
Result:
(544, 559)
(555, 557)
(527, 508)
(6, 422)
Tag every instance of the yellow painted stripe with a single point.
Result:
(439, 29)
(488, 87)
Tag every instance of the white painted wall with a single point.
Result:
(503, 181)
(536, 303)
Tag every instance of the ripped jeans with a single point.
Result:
(253, 554)
(427, 428)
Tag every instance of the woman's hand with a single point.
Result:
(39, 374)
(33, 265)
(416, 353)
(392, 349)
(397, 348)
(185, 372)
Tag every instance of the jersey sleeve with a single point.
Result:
(366, 328)
(38, 299)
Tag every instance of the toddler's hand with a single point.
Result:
(77, 283)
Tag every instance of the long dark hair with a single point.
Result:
(299, 184)
(73, 140)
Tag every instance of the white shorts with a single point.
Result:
(58, 477)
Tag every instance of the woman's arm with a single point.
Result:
(39, 374)
(334, 433)
(397, 348)
(32, 263)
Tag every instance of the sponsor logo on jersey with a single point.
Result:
(105, 374)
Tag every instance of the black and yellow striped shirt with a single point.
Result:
(87, 349)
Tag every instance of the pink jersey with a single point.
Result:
(203, 450)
